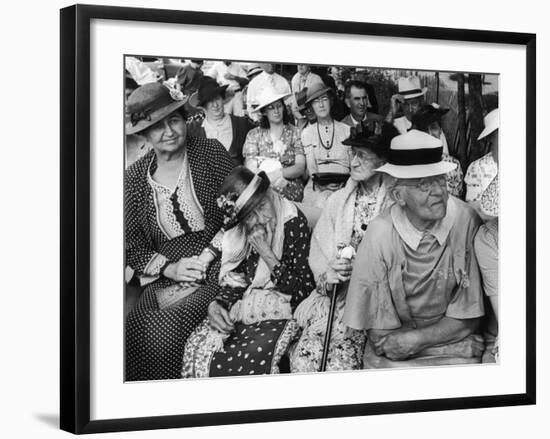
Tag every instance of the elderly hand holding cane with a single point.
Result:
(339, 271)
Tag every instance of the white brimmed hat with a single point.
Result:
(416, 154)
(491, 122)
(409, 87)
(267, 96)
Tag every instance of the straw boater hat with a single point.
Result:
(237, 205)
(416, 154)
(150, 103)
(208, 90)
(491, 122)
(268, 96)
(409, 87)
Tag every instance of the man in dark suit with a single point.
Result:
(361, 101)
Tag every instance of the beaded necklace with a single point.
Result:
(329, 144)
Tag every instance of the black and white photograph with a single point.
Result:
(284, 218)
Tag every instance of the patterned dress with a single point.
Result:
(346, 348)
(479, 175)
(259, 145)
(258, 344)
(161, 227)
(455, 183)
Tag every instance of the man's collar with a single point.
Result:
(412, 236)
(355, 121)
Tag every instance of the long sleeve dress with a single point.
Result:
(265, 328)
(162, 226)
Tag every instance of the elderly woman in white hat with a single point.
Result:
(172, 230)
(275, 146)
(417, 290)
(482, 172)
(328, 158)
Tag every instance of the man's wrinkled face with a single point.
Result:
(424, 199)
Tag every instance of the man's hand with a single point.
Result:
(186, 270)
(398, 345)
(219, 318)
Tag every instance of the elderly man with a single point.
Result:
(416, 285)
(406, 102)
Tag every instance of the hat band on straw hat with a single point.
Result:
(411, 92)
(406, 157)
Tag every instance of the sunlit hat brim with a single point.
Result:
(417, 171)
(271, 100)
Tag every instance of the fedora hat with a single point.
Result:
(491, 122)
(427, 114)
(409, 87)
(208, 90)
(416, 154)
(150, 103)
(316, 90)
(267, 96)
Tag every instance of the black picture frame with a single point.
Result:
(75, 217)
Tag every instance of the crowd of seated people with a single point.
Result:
(255, 216)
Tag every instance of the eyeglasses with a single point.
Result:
(323, 99)
(425, 184)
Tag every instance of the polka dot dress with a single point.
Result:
(256, 348)
(155, 337)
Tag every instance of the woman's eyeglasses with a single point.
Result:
(425, 184)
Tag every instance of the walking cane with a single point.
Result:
(328, 331)
(344, 253)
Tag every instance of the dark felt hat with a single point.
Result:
(208, 90)
(428, 114)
